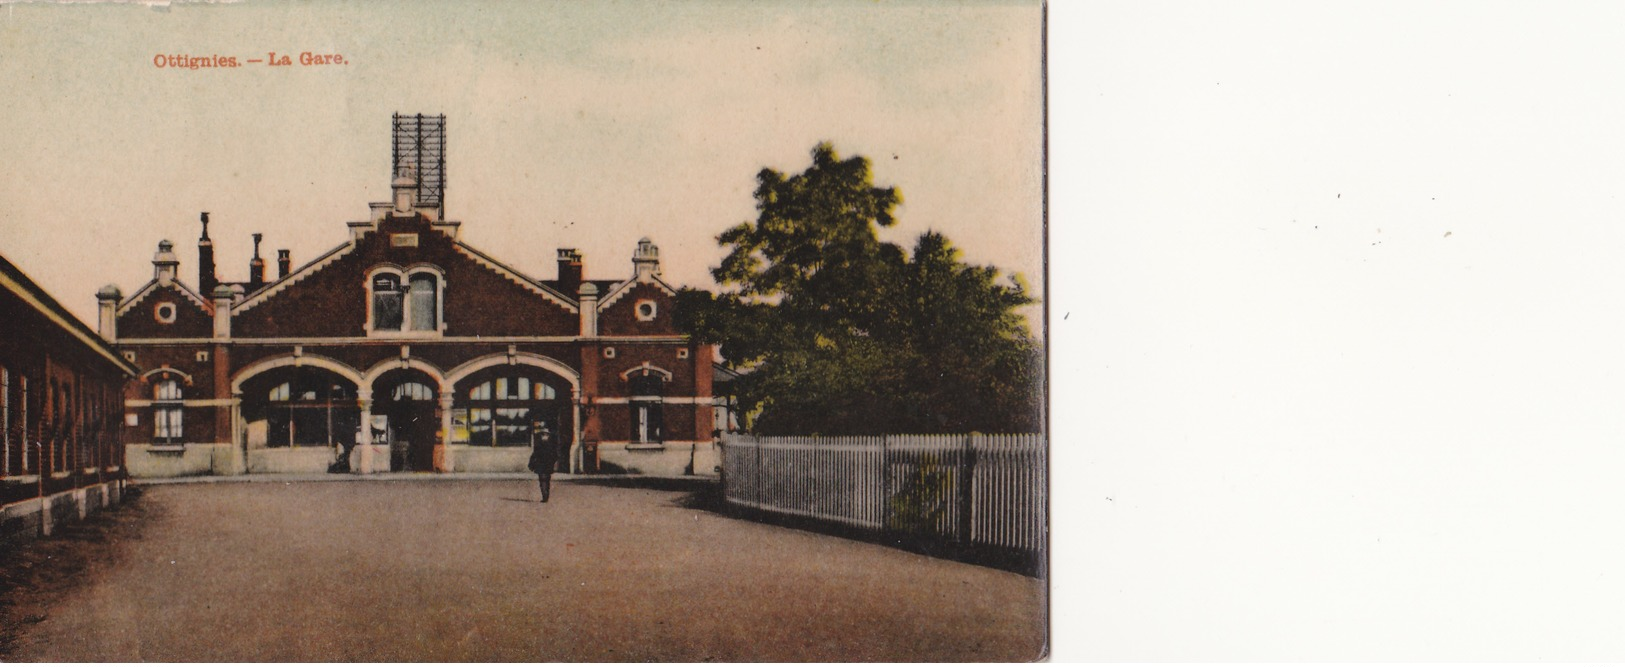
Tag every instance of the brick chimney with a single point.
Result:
(256, 266)
(570, 270)
(206, 279)
(284, 264)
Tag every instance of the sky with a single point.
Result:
(1338, 330)
(585, 125)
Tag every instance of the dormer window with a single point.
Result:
(406, 302)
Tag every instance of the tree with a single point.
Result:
(843, 334)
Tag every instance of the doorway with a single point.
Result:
(408, 402)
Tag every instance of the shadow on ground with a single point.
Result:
(706, 495)
(36, 572)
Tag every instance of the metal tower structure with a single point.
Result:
(420, 145)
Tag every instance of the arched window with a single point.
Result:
(311, 409)
(412, 391)
(386, 302)
(424, 303)
(503, 409)
(648, 412)
(405, 302)
(166, 412)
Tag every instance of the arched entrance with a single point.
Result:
(405, 414)
(298, 419)
(513, 406)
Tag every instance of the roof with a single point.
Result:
(13, 280)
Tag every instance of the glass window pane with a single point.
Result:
(424, 315)
(524, 389)
(386, 302)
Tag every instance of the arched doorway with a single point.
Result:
(405, 414)
(513, 406)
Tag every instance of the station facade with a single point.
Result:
(406, 349)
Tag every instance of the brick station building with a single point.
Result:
(406, 349)
(60, 405)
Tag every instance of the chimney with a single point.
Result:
(646, 260)
(206, 279)
(256, 266)
(107, 299)
(164, 263)
(569, 270)
(284, 264)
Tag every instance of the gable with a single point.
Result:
(144, 314)
(329, 298)
(621, 317)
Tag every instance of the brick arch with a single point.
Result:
(546, 363)
(316, 361)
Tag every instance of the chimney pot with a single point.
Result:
(284, 263)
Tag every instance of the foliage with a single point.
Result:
(843, 334)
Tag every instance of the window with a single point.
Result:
(166, 413)
(645, 310)
(202, 355)
(648, 413)
(424, 302)
(504, 409)
(609, 353)
(410, 303)
(164, 312)
(311, 409)
(386, 302)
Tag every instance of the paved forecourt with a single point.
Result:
(477, 570)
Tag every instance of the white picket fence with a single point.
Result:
(976, 489)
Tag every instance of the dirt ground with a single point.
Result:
(480, 571)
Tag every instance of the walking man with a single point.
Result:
(544, 456)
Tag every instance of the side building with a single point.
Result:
(61, 395)
(406, 349)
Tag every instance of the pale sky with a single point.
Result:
(585, 125)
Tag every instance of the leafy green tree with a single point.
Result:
(843, 334)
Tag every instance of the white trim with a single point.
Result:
(549, 364)
(166, 369)
(174, 311)
(668, 400)
(487, 261)
(318, 361)
(651, 445)
(646, 368)
(152, 285)
(404, 274)
(378, 370)
(297, 275)
(185, 403)
(653, 339)
(622, 289)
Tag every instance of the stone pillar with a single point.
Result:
(222, 312)
(588, 300)
(364, 439)
(442, 452)
(107, 299)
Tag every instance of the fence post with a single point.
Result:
(966, 472)
(885, 486)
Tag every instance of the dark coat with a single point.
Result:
(544, 457)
